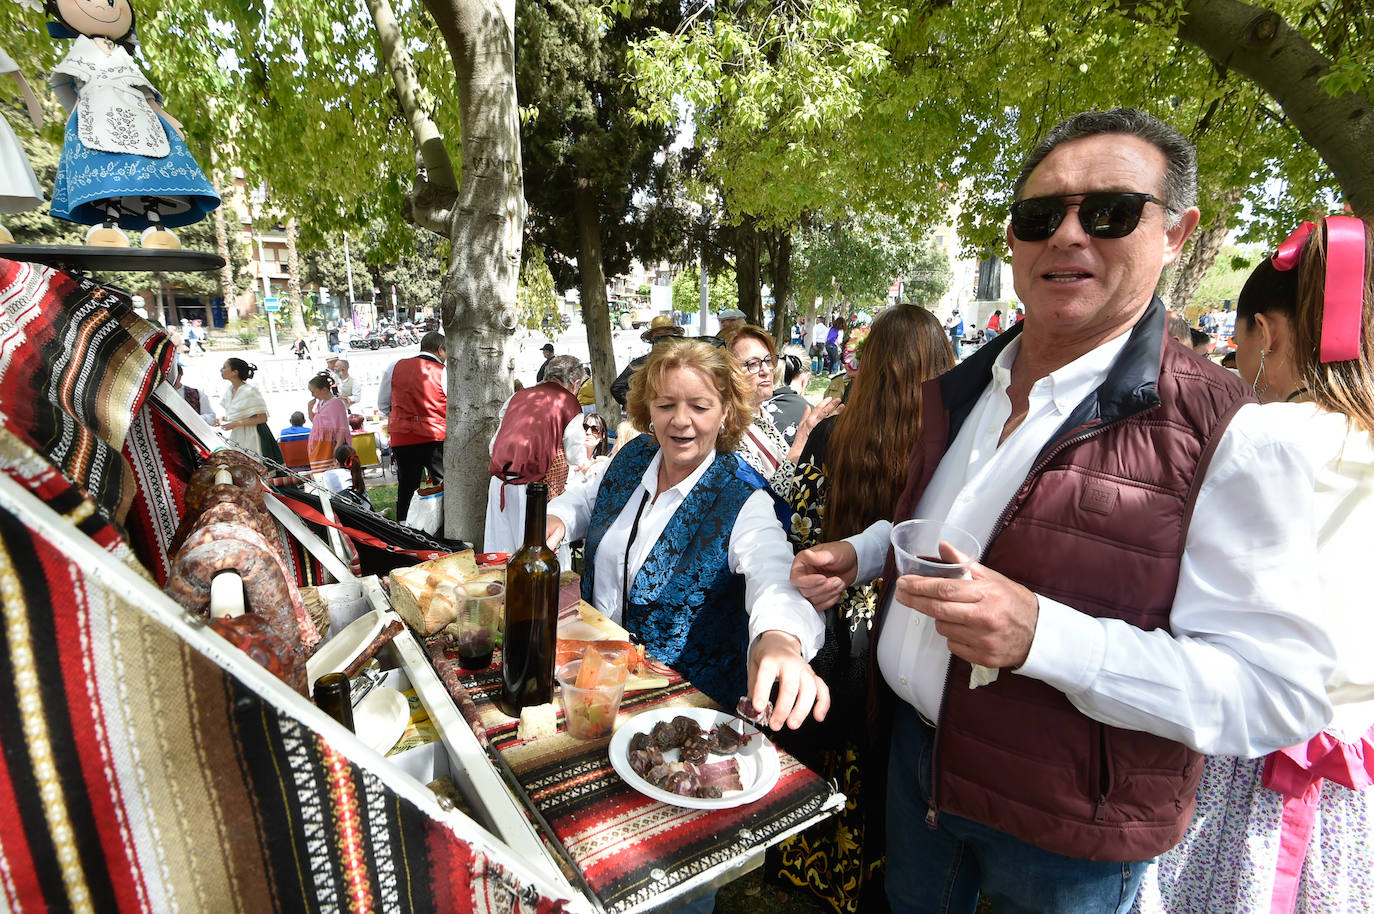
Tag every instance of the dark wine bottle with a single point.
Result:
(334, 696)
(527, 648)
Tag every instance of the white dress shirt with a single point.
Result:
(1342, 456)
(1242, 672)
(758, 550)
(384, 390)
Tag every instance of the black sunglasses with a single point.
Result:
(1102, 215)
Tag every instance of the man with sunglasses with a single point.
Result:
(1139, 594)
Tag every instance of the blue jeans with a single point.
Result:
(943, 869)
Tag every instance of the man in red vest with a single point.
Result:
(541, 435)
(419, 404)
(1138, 598)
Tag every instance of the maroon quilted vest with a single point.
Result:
(529, 443)
(1099, 524)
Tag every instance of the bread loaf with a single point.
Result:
(537, 721)
(460, 565)
(426, 600)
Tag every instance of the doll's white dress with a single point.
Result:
(19, 190)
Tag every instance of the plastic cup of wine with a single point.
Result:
(933, 548)
(479, 620)
(590, 703)
(939, 550)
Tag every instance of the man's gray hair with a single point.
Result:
(1180, 174)
(432, 341)
(566, 369)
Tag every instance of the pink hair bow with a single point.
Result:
(1345, 282)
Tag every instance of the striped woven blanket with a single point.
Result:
(629, 848)
(137, 773)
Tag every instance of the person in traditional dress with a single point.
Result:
(762, 446)
(540, 438)
(847, 478)
(329, 430)
(787, 406)
(684, 547)
(195, 397)
(19, 190)
(245, 411)
(123, 158)
(1294, 830)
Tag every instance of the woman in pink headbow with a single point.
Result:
(1295, 831)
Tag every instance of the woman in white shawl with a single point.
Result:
(245, 411)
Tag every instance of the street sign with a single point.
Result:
(271, 305)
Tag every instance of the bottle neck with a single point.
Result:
(536, 514)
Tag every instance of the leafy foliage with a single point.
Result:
(721, 291)
(857, 259)
(841, 105)
(578, 133)
(537, 296)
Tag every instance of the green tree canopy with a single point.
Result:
(721, 291)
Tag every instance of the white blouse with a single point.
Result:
(758, 550)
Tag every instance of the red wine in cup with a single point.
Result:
(939, 567)
(475, 656)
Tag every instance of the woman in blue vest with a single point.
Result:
(684, 546)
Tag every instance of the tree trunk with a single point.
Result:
(293, 281)
(486, 227)
(1202, 254)
(1260, 45)
(747, 273)
(780, 262)
(596, 315)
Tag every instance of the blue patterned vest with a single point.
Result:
(684, 604)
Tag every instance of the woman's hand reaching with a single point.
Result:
(776, 657)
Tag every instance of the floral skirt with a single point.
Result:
(88, 177)
(1227, 860)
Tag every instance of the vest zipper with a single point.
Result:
(1104, 775)
(933, 813)
(1075, 438)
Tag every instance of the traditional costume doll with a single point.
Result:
(124, 162)
(19, 190)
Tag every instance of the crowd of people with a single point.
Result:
(1182, 691)
(1181, 711)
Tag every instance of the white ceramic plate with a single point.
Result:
(338, 652)
(758, 762)
(380, 719)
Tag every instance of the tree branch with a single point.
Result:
(431, 206)
(1260, 45)
(428, 141)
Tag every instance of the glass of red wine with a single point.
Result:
(479, 619)
(934, 549)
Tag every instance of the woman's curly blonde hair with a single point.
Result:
(718, 364)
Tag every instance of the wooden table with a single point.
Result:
(627, 851)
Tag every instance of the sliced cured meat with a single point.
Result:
(210, 532)
(265, 589)
(254, 635)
